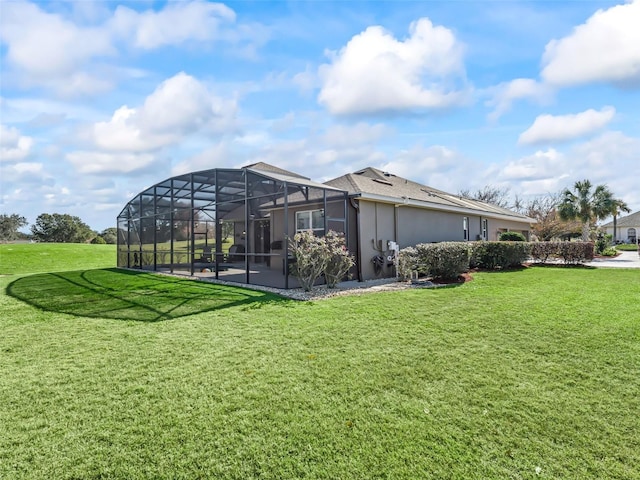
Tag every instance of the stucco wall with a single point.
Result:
(409, 226)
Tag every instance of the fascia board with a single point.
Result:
(409, 202)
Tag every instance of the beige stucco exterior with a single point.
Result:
(380, 223)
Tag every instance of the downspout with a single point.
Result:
(356, 207)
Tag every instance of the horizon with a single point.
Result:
(101, 100)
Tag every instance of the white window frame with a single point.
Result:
(309, 215)
(465, 227)
(485, 229)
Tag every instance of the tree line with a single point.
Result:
(571, 213)
(53, 227)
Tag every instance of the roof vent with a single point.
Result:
(384, 182)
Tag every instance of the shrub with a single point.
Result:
(446, 260)
(609, 252)
(311, 258)
(315, 256)
(512, 237)
(98, 240)
(492, 255)
(542, 251)
(574, 253)
(407, 263)
(339, 261)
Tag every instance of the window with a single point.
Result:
(485, 229)
(465, 227)
(310, 220)
(631, 235)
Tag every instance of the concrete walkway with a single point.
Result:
(624, 260)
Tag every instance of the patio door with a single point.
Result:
(262, 241)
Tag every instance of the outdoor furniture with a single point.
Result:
(236, 252)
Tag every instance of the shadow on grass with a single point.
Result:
(125, 295)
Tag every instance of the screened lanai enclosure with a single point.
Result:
(227, 224)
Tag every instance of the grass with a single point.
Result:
(627, 247)
(16, 258)
(126, 375)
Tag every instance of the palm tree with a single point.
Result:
(588, 205)
(618, 207)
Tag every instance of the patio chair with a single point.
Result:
(235, 253)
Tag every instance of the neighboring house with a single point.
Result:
(628, 228)
(233, 224)
(385, 208)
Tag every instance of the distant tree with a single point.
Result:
(110, 235)
(618, 207)
(61, 228)
(548, 224)
(587, 204)
(489, 194)
(9, 226)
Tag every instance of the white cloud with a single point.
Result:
(604, 49)
(361, 133)
(559, 128)
(437, 166)
(45, 44)
(177, 23)
(375, 72)
(504, 94)
(181, 105)
(542, 165)
(59, 53)
(13, 145)
(99, 162)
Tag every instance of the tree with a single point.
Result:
(548, 224)
(9, 226)
(489, 194)
(110, 235)
(61, 228)
(618, 207)
(587, 204)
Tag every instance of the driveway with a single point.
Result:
(624, 260)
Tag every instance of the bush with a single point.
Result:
(574, 253)
(570, 252)
(311, 259)
(319, 255)
(407, 263)
(339, 261)
(512, 237)
(609, 252)
(492, 255)
(98, 240)
(446, 260)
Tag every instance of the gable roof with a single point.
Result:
(268, 168)
(373, 184)
(632, 220)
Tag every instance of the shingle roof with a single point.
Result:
(376, 182)
(632, 220)
(266, 167)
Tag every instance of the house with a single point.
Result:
(233, 224)
(627, 228)
(386, 210)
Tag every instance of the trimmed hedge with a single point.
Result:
(445, 260)
(572, 253)
(448, 260)
(492, 255)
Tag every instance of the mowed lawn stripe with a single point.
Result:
(524, 374)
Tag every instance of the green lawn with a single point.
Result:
(54, 257)
(627, 247)
(515, 375)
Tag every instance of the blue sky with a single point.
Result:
(101, 100)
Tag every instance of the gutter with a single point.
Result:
(410, 202)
